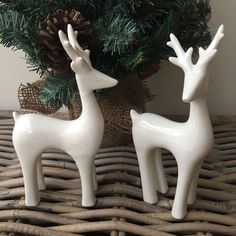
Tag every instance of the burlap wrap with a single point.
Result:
(115, 104)
(29, 97)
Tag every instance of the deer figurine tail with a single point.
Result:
(16, 116)
(134, 115)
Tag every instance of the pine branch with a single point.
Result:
(193, 23)
(15, 33)
(12, 26)
(131, 61)
(58, 91)
(116, 34)
(32, 7)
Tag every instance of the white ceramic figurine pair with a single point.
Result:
(190, 142)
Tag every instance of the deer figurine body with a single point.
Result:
(80, 138)
(189, 142)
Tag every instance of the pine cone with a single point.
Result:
(55, 57)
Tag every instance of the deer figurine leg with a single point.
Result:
(85, 165)
(28, 163)
(145, 160)
(185, 171)
(160, 178)
(40, 177)
(192, 192)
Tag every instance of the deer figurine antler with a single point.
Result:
(189, 142)
(80, 138)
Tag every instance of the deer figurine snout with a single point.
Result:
(102, 82)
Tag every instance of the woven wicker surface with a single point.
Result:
(119, 208)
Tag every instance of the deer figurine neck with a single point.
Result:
(199, 110)
(199, 118)
(90, 107)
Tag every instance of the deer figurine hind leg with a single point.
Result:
(152, 173)
(80, 138)
(40, 177)
(159, 173)
(149, 158)
(189, 142)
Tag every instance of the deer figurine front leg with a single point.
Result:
(80, 138)
(189, 142)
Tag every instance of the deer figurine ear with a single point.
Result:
(76, 64)
(87, 51)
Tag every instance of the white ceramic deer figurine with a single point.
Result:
(80, 138)
(189, 142)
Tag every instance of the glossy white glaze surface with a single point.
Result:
(189, 142)
(80, 138)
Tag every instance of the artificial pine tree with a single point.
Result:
(125, 36)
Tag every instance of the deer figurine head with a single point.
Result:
(88, 78)
(196, 78)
